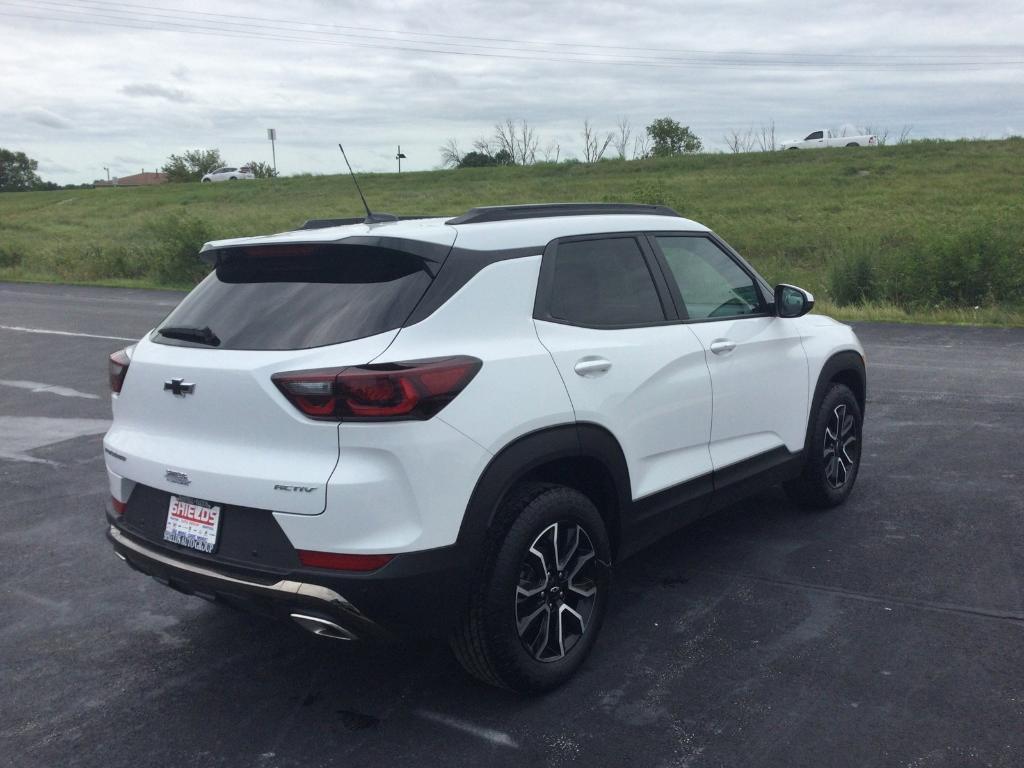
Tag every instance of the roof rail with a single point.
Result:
(324, 223)
(548, 210)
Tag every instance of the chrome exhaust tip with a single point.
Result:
(322, 627)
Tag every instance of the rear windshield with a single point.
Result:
(297, 297)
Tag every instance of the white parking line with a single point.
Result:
(119, 299)
(488, 734)
(53, 389)
(64, 333)
(20, 434)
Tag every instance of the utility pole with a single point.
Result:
(108, 172)
(399, 157)
(272, 135)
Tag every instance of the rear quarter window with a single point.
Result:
(603, 282)
(301, 296)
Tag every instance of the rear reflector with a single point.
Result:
(410, 390)
(119, 506)
(118, 367)
(339, 562)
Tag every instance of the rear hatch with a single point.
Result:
(232, 437)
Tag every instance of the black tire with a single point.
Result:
(488, 641)
(794, 147)
(233, 178)
(825, 483)
(853, 144)
(207, 181)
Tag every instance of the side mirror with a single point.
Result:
(791, 301)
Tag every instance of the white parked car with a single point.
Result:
(825, 138)
(459, 427)
(229, 174)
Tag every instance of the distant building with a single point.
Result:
(136, 180)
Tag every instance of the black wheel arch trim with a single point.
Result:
(532, 451)
(848, 362)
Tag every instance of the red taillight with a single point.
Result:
(412, 390)
(340, 562)
(118, 367)
(119, 506)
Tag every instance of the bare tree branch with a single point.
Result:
(519, 139)
(528, 141)
(623, 131)
(451, 155)
(551, 152)
(484, 146)
(740, 142)
(641, 146)
(879, 132)
(766, 138)
(594, 146)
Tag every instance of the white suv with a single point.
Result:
(458, 427)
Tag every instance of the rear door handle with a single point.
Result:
(592, 366)
(722, 346)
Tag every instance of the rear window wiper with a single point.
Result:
(202, 335)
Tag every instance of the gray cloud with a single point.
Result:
(155, 90)
(46, 118)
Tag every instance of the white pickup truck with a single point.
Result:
(825, 138)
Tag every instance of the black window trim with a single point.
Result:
(767, 307)
(545, 282)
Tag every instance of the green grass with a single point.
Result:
(927, 231)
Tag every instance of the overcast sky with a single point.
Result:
(86, 84)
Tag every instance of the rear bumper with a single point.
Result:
(417, 593)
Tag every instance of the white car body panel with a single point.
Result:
(822, 337)
(236, 436)
(517, 390)
(760, 387)
(655, 397)
(398, 487)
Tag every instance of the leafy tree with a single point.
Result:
(261, 170)
(18, 172)
(192, 165)
(477, 160)
(671, 138)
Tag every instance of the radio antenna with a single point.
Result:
(371, 217)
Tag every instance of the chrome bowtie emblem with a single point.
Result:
(179, 478)
(179, 387)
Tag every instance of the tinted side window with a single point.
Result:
(603, 282)
(815, 135)
(711, 283)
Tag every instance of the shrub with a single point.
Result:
(852, 276)
(175, 243)
(9, 257)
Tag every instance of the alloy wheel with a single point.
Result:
(557, 591)
(840, 446)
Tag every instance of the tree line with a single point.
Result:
(517, 142)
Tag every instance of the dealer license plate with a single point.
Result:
(192, 523)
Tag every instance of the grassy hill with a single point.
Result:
(930, 230)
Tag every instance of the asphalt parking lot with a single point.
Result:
(886, 633)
